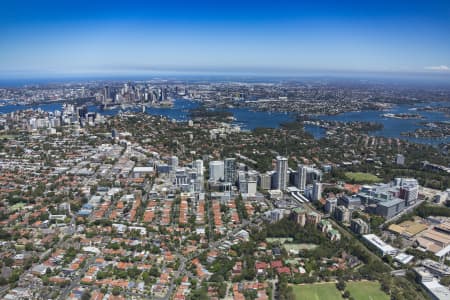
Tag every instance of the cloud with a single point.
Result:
(438, 68)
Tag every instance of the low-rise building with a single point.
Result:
(379, 245)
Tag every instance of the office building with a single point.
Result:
(216, 170)
(317, 191)
(313, 175)
(198, 166)
(281, 175)
(247, 182)
(230, 170)
(349, 201)
(173, 163)
(330, 205)
(265, 180)
(301, 184)
(107, 92)
(409, 190)
(389, 209)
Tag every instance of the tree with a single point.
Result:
(29, 246)
(154, 272)
(8, 261)
(222, 289)
(116, 291)
(445, 281)
(199, 294)
(340, 285)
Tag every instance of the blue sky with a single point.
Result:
(96, 37)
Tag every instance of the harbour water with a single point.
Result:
(393, 127)
(249, 119)
(245, 118)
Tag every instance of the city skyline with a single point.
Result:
(192, 150)
(51, 38)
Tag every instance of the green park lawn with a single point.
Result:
(366, 290)
(361, 177)
(318, 291)
(17, 206)
(359, 290)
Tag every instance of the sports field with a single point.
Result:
(361, 177)
(366, 290)
(318, 291)
(297, 247)
(280, 240)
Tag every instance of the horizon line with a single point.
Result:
(219, 71)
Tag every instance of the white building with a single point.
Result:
(173, 163)
(265, 180)
(317, 191)
(301, 178)
(380, 245)
(400, 159)
(216, 170)
(281, 176)
(198, 165)
(142, 171)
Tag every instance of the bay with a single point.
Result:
(250, 119)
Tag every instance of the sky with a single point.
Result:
(118, 37)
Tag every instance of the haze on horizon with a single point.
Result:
(108, 37)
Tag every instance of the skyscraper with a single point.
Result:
(301, 177)
(173, 163)
(107, 92)
(281, 169)
(330, 205)
(317, 191)
(216, 170)
(265, 180)
(198, 165)
(230, 170)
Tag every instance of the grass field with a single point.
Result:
(297, 247)
(366, 290)
(280, 240)
(361, 177)
(319, 291)
(17, 206)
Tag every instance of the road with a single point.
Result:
(3, 290)
(212, 246)
(181, 269)
(347, 234)
(76, 281)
